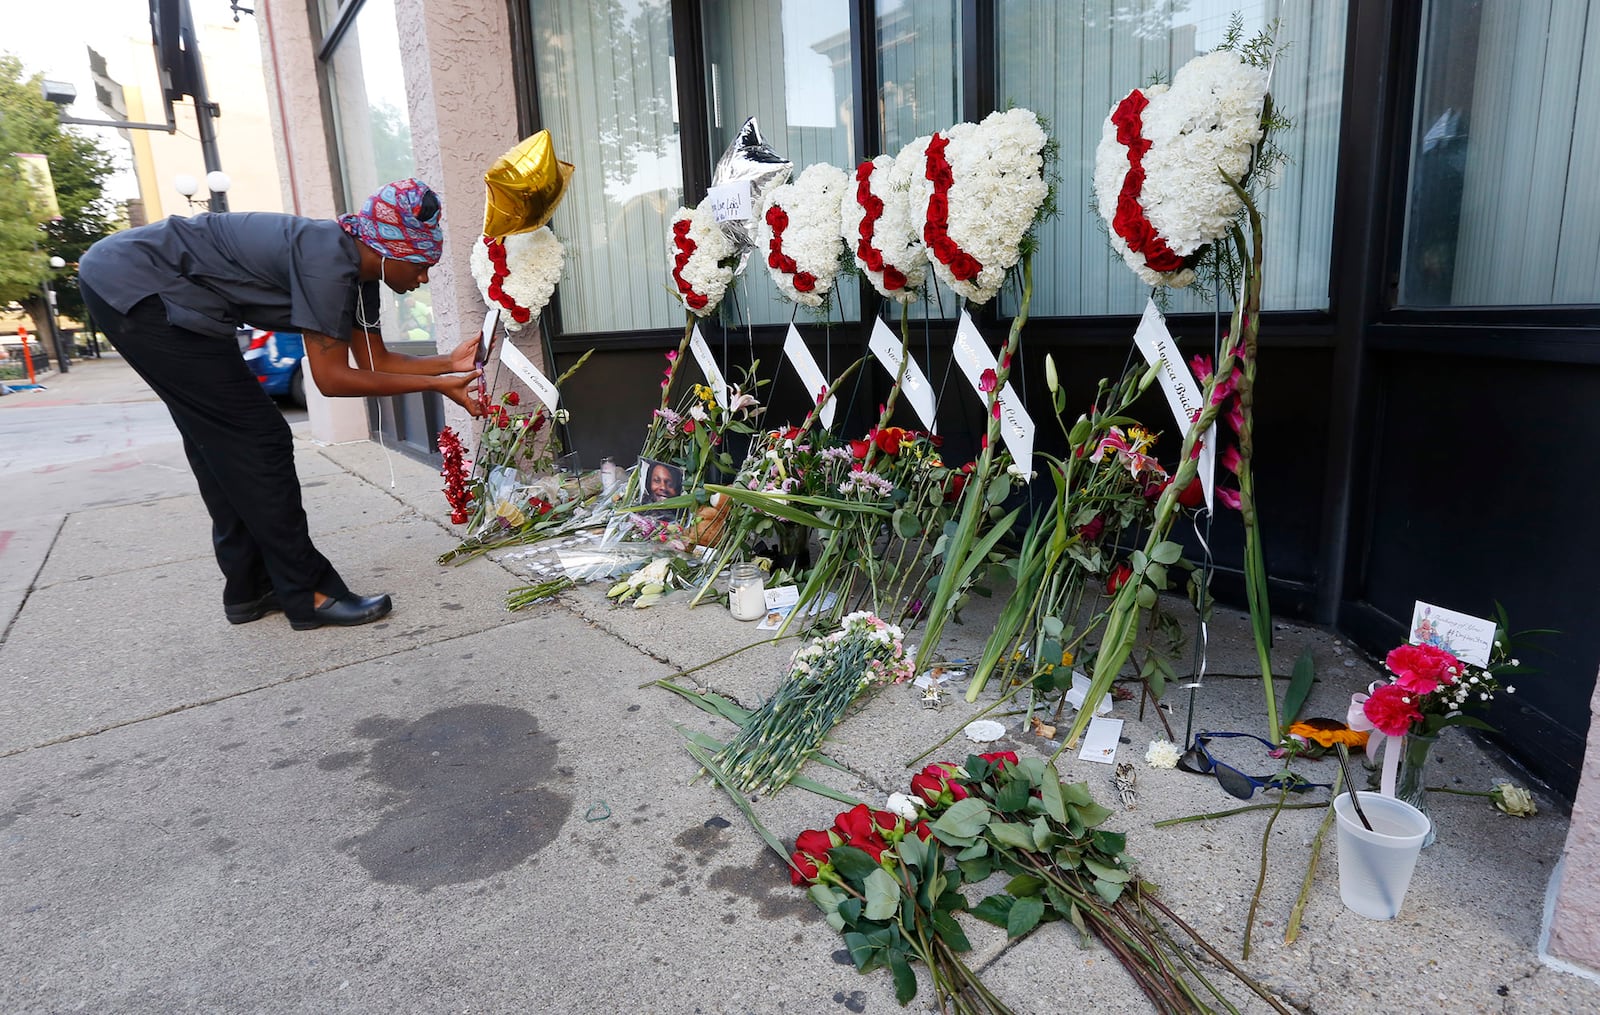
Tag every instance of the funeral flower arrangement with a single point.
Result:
(518, 273)
(703, 259)
(800, 229)
(1170, 181)
(1165, 160)
(981, 190)
(876, 223)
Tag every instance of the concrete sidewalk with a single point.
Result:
(470, 810)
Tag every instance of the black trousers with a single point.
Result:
(240, 449)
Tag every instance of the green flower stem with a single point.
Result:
(1030, 590)
(1292, 930)
(985, 711)
(677, 361)
(1261, 876)
(899, 379)
(868, 562)
(838, 382)
(974, 496)
(527, 595)
(1247, 319)
(1221, 959)
(834, 549)
(1214, 815)
(1170, 946)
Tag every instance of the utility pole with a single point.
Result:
(183, 73)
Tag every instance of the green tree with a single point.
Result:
(28, 123)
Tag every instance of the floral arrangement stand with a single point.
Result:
(1168, 175)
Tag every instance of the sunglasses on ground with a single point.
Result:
(1198, 759)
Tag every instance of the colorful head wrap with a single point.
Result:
(400, 221)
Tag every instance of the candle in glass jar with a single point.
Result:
(747, 592)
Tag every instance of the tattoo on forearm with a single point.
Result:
(325, 343)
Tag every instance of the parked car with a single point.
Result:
(275, 358)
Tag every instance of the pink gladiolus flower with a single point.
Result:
(1224, 388)
(1229, 498)
(1201, 365)
(986, 381)
(1236, 417)
(1231, 459)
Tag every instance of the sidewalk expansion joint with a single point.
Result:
(33, 583)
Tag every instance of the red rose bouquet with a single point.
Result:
(890, 881)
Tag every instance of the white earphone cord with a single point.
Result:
(366, 332)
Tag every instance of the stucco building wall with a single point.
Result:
(457, 58)
(1574, 931)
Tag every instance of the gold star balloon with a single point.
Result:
(524, 187)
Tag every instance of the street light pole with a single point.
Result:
(49, 322)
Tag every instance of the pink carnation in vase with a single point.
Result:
(1422, 669)
(1391, 710)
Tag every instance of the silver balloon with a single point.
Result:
(751, 159)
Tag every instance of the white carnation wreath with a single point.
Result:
(991, 197)
(799, 230)
(1165, 200)
(703, 259)
(518, 273)
(875, 223)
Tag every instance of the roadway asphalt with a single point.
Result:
(471, 810)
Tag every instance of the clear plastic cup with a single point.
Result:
(1375, 867)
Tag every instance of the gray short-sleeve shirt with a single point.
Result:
(217, 272)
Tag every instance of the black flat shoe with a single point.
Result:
(255, 609)
(347, 611)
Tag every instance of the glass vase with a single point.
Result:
(794, 547)
(1411, 784)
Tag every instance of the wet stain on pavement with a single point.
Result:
(704, 839)
(24, 805)
(467, 795)
(855, 1001)
(766, 883)
(95, 771)
(341, 760)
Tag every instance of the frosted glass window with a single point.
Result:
(605, 81)
(789, 64)
(1502, 207)
(1070, 61)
